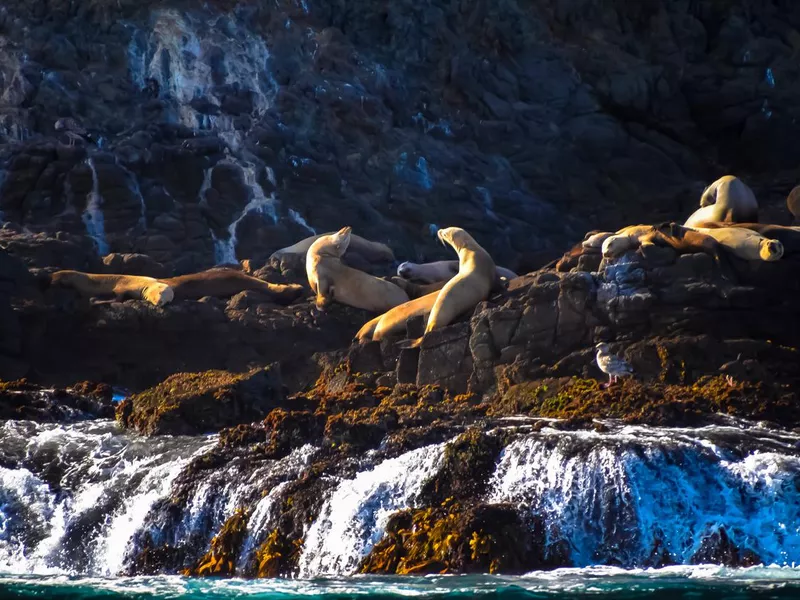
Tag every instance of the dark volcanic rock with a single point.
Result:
(386, 121)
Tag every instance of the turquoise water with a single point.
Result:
(695, 583)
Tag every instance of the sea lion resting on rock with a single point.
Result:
(788, 236)
(331, 279)
(745, 243)
(463, 292)
(727, 200)
(683, 240)
(441, 270)
(225, 282)
(152, 290)
(372, 251)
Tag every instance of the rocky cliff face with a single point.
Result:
(229, 130)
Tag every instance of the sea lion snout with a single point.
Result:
(405, 270)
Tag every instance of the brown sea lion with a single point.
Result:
(225, 282)
(727, 200)
(394, 321)
(121, 287)
(372, 251)
(463, 292)
(331, 279)
(441, 270)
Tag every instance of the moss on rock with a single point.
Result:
(192, 403)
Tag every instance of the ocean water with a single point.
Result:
(695, 583)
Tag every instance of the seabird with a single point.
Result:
(611, 365)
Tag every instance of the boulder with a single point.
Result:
(194, 403)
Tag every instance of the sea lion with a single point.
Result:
(394, 321)
(727, 200)
(225, 282)
(331, 279)
(594, 239)
(683, 240)
(441, 270)
(745, 243)
(463, 292)
(625, 239)
(152, 290)
(372, 251)
(788, 236)
(793, 203)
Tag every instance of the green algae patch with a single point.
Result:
(195, 403)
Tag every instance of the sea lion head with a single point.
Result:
(158, 294)
(595, 240)
(456, 237)
(616, 245)
(335, 244)
(770, 250)
(64, 278)
(406, 270)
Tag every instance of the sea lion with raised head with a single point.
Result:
(745, 243)
(330, 279)
(441, 270)
(727, 200)
(473, 283)
(372, 251)
(94, 285)
(222, 282)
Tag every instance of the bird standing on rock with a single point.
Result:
(611, 365)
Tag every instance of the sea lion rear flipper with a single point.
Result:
(408, 344)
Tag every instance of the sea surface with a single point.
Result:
(672, 583)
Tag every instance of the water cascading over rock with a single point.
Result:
(88, 499)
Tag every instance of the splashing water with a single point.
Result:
(614, 498)
(71, 497)
(92, 216)
(354, 518)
